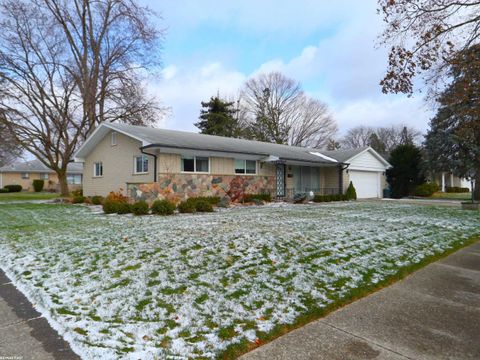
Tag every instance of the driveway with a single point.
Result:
(432, 314)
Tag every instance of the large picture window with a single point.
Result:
(245, 166)
(141, 164)
(195, 164)
(97, 169)
(74, 179)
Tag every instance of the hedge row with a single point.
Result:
(257, 197)
(457, 189)
(426, 189)
(11, 188)
(329, 198)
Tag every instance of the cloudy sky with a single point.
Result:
(329, 46)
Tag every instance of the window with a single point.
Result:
(113, 138)
(25, 175)
(245, 166)
(44, 176)
(74, 179)
(97, 169)
(195, 164)
(141, 164)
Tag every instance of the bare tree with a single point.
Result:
(10, 151)
(382, 139)
(275, 109)
(424, 36)
(66, 66)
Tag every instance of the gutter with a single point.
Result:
(154, 164)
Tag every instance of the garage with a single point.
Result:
(366, 183)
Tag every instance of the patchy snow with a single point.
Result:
(190, 285)
(323, 156)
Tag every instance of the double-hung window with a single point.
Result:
(195, 164)
(141, 164)
(45, 176)
(98, 169)
(245, 166)
(25, 175)
(113, 138)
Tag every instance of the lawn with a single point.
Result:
(27, 196)
(202, 286)
(451, 196)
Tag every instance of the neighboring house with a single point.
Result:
(25, 172)
(153, 163)
(448, 179)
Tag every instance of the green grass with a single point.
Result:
(451, 196)
(27, 196)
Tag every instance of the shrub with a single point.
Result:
(97, 200)
(140, 208)
(3, 190)
(38, 185)
(163, 207)
(117, 196)
(110, 206)
(456, 189)
(13, 188)
(123, 208)
(426, 189)
(187, 206)
(253, 197)
(351, 193)
(79, 199)
(203, 206)
(214, 200)
(78, 192)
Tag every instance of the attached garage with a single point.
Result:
(366, 183)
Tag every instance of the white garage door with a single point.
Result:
(366, 183)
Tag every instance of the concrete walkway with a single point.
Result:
(24, 334)
(432, 314)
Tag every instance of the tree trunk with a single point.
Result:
(62, 180)
(476, 187)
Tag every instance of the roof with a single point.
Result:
(38, 167)
(347, 155)
(154, 137)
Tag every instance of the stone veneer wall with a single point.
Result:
(178, 187)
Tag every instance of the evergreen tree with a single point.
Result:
(218, 117)
(453, 141)
(405, 173)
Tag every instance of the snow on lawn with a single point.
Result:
(190, 285)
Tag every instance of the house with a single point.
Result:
(448, 179)
(23, 173)
(151, 163)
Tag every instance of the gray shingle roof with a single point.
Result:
(344, 155)
(38, 166)
(188, 140)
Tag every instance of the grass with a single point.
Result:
(214, 285)
(451, 196)
(28, 196)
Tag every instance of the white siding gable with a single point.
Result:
(366, 161)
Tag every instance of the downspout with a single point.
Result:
(154, 164)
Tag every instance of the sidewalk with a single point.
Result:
(24, 334)
(432, 314)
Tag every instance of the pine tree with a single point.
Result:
(218, 117)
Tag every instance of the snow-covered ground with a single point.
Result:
(190, 285)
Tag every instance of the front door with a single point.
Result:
(280, 180)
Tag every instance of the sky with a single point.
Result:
(330, 47)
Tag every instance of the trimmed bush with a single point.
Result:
(13, 188)
(426, 189)
(456, 189)
(3, 190)
(163, 207)
(123, 208)
(187, 206)
(351, 193)
(97, 200)
(79, 199)
(38, 185)
(257, 197)
(140, 208)
(78, 192)
(110, 206)
(203, 206)
(214, 200)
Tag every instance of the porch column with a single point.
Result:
(340, 179)
(451, 179)
(443, 182)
